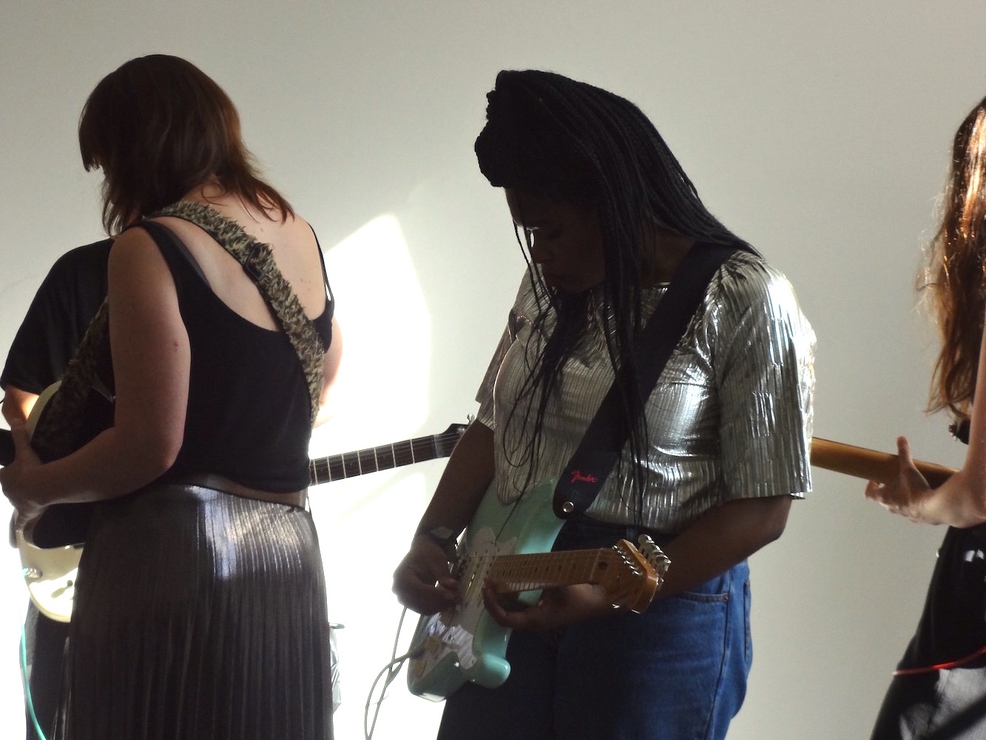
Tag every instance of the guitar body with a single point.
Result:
(465, 644)
(50, 575)
(67, 525)
(50, 546)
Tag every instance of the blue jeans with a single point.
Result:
(676, 672)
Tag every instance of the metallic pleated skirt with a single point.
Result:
(198, 615)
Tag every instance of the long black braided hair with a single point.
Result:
(559, 138)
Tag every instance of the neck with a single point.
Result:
(206, 192)
(667, 251)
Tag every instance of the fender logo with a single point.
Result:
(578, 477)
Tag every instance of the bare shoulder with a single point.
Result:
(296, 252)
(133, 235)
(296, 230)
(134, 246)
(269, 226)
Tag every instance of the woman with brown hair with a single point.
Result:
(200, 603)
(940, 683)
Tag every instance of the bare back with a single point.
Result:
(293, 245)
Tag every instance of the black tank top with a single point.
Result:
(249, 410)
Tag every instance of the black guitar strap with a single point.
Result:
(600, 448)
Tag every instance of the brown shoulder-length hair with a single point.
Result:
(157, 127)
(957, 269)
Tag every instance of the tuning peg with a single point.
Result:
(655, 556)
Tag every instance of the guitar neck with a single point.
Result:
(869, 464)
(514, 573)
(626, 575)
(385, 457)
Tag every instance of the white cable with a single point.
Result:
(388, 674)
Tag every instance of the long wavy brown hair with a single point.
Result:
(956, 276)
(157, 127)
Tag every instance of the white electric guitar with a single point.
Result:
(50, 572)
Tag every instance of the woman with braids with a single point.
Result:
(939, 688)
(200, 607)
(713, 458)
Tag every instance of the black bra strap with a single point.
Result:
(163, 235)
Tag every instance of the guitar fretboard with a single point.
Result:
(629, 579)
(528, 572)
(385, 457)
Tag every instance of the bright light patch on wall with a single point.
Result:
(364, 522)
(381, 393)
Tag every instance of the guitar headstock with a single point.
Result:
(629, 580)
(446, 441)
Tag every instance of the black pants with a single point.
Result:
(940, 705)
(45, 640)
(946, 704)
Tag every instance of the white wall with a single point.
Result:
(818, 131)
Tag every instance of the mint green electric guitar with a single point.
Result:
(510, 544)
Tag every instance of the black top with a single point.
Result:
(249, 410)
(953, 623)
(59, 315)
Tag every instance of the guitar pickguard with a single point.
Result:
(465, 644)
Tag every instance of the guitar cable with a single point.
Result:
(393, 668)
(941, 666)
(387, 674)
(27, 686)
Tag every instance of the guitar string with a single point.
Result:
(404, 445)
(325, 464)
(574, 564)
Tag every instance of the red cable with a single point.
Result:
(941, 666)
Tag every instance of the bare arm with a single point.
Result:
(720, 539)
(151, 366)
(17, 404)
(958, 502)
(961, 500)
(422, 581)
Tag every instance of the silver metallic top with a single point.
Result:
(730, 417)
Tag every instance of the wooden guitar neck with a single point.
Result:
(869, 464)
(622, 570)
